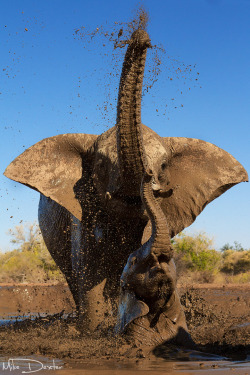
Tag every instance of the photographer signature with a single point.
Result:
(28, 366)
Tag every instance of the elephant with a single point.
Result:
(149, 310)
(91, 212)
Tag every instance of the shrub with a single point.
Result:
(196, 254)
(235, 262)
(31, 261)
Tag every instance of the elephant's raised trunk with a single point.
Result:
(131, 155)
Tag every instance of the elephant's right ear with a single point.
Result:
(53, 166)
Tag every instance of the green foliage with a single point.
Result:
(31, 261)
(235, 262)
(197, 260)
(236, 247)
(196, 252)
(195, 257)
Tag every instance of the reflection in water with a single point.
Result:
(198, 363)
(12, 318)
(156, 367)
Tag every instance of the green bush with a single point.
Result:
(195, 258)
(31, 261)
(235, 262)
(196, 253)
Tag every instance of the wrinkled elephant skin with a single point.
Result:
(147, 318)
(150, 311)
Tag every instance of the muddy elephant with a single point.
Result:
(150, 311)
(91, 212)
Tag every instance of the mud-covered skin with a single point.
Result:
(94, 241)
(132, 159)
(91, 184)
(149, 310)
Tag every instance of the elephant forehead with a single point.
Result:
(107, 144)
(154, 149)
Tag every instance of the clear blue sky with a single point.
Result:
(53, 82)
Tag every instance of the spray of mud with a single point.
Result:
(164, 74)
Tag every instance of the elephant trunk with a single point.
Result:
(160, 238)
(131, 154)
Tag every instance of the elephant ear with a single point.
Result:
(53, 166)
(199, 173)
(129, 309)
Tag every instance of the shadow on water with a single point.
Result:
(208, 352)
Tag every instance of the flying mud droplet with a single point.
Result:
(108, 43)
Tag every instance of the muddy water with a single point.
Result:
(192, 368)
(32, 364)
(39, 333)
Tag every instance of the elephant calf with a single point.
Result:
(150, 311)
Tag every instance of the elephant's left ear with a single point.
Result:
(199, 173)
(53, 166)
(130, 308)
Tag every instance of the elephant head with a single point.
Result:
(91, 212)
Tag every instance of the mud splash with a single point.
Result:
(107, 43)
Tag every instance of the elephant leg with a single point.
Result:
(94, 303)
(93, 307)
(84, 271)
(90, 269)
(56, 226)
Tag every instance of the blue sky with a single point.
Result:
(54, 81)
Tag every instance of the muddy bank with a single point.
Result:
(218, 320)
(22, 299)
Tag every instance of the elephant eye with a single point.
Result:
(163, 165)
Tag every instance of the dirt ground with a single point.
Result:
(218, 319)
